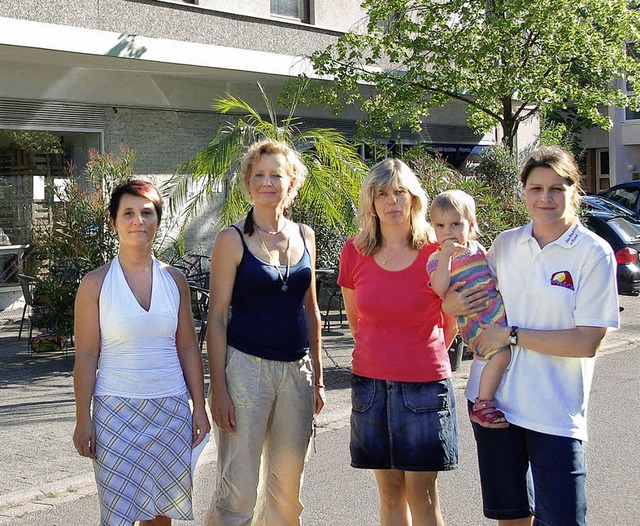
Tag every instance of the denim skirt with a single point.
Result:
(409, 426)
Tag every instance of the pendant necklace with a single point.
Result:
(270, 232)
(284, 279)
(385, 261)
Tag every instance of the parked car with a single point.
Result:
(599, 202)
(624, 238)
(627, 194)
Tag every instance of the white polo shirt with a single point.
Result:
(570, 282)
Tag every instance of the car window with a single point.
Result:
(611, 205)
(626, 197)
(624, 229)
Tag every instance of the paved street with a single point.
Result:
(43, 482)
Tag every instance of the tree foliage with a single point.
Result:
(505, 59)
(494, 185)
(330, 192)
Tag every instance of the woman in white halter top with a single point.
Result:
(138, 361)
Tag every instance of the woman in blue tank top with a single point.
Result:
(263, 345)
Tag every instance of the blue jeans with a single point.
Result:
(410, 426)
(525, 473)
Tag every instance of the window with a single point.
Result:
(299, 9)
(602, 170)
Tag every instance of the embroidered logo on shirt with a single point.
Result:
(562, 279)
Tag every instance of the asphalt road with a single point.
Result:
(336, 494)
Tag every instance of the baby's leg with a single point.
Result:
(492, 374)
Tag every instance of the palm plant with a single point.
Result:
(331, 188)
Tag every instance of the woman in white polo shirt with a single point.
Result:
(558, 281)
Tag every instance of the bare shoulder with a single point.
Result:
(229, 242)
(434, 255)
(309, 234)
(177, 275)
(93, 280)
(91, 284)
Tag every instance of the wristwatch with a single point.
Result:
(513, 336)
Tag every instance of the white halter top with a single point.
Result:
(138, 354)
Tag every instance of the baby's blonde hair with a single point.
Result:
(460, 202)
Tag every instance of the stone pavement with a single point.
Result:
(38, 464)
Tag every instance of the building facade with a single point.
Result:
(142, 74)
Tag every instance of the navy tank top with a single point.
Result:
(265, 321)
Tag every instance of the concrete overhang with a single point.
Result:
(147, 54)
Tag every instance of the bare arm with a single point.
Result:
(440, 277)
(226, 255)
(190, 359)
(450, 329)
(463, 302)
(312, 313)
(349, 298)
(87, 338)
(579, 342)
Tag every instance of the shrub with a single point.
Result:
(79, 239)
(493, 185)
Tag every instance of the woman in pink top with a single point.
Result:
(403, 419)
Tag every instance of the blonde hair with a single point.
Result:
(562, 163)
(295, 168)
(391, 173)
(460, 202)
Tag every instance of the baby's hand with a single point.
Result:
(450, 247)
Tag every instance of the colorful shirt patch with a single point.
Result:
(562, 279)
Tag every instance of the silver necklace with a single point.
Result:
(284, 279)
(270, 232)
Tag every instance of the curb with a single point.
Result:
(19, 503)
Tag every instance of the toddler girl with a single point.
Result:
(461, 258)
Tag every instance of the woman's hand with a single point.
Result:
(84, 438)
(465, 302)
(222, 410)
(200, 426)
(319, 399)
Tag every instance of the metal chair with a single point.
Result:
(327, 282)
(195, 275)
(200, 308)
(335, 293)
(196, 263)
(27, 283)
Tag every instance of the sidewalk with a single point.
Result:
(37, 415)
(38, 464)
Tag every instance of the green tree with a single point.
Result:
(561, 128)
(329, 193)
(505, 59)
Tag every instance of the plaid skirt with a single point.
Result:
(143, 458)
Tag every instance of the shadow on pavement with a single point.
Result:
(19, 366)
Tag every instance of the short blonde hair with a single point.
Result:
(391, 173)
(562, 163)
(460, 202)
(296, 169)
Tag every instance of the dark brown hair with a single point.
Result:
(138, 188)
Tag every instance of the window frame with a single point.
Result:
(304, 10)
